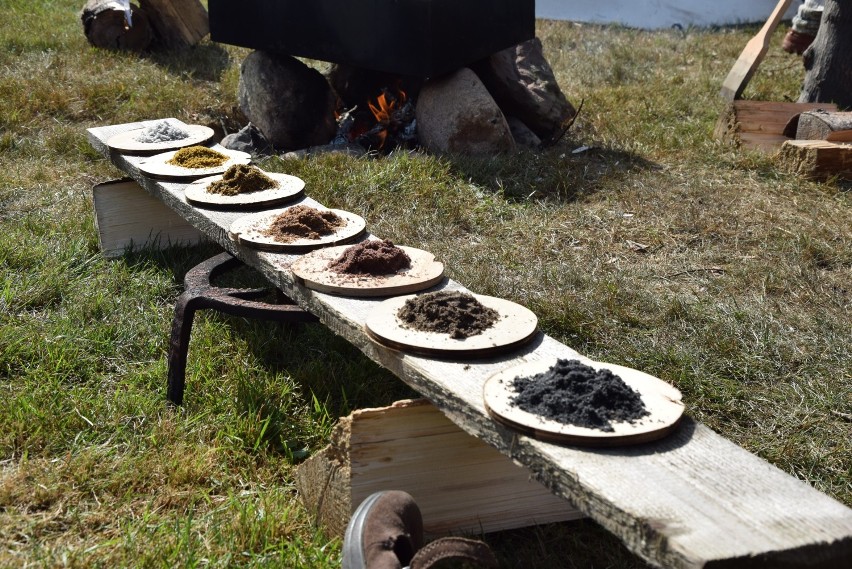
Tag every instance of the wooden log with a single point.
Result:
(127, 217)
(820, 124)
(760, 125)
(106, 26)
(179, 24)
(460, 483)
(817, 159)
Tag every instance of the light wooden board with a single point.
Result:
(460, 483)
(314, 273)
(691, 499)
(516, 326)
(288, 188)
(752, 55)
(661, 400)
(248, 230)
(127, 217)
(127, 143)
(157, 166)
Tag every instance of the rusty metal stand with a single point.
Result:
(199, 293)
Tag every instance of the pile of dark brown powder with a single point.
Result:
(303, 221)
(371, 258)
(573, 393)
(458, 314)
(241, 179)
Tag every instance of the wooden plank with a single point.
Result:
(760, 125)
(817, 159)
(461, 484)
(690, 500)
(127, 217)
(752, 55)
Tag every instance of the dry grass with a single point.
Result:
(657, 248)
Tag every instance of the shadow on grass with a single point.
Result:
(324, 366)
(206, 61)
(565, 172)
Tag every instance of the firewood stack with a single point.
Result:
(167, 24)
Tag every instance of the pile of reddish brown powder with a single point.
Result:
(371, 258)
(458, 314)
(303, 222)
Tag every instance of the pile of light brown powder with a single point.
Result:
(458, 314)
(303, 222)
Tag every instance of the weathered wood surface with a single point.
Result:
(461, 484)
(817, 159)
(693, 499)
(128, 217)
(760, 125)
(180, 24)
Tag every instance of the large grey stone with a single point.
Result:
(455, 113)
(291, 103)
(522, 82)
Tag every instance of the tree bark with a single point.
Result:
(828, 65)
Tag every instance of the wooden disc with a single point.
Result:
(248, 230)
(288, 188)
(663, 402)
(314, 273)
(516, 326)
(126, 142)
(157, 166)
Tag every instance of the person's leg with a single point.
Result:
(804, 28)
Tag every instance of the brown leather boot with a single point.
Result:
(386, 532)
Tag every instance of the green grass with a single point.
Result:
(659, 248)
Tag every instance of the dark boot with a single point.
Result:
(386, 532)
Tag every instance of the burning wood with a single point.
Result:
(389, 123)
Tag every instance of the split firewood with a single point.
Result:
(114, 24)
(824, 125)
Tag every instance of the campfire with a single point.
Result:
(389, 124)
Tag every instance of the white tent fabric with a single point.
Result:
(654, 14)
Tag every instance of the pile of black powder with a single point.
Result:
(573, 393)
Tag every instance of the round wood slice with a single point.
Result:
(289, 188)
(517, 326)
(126, 142)
(663, 402)
(314, 273)
(247, 230)
(157, 166)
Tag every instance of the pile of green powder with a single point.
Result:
(241, 179)
(197, 157)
